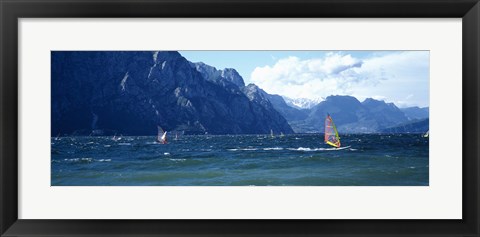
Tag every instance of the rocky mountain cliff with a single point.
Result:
(290, 113)
(130, 93)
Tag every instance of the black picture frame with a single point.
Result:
(12, 10)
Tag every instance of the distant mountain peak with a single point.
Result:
(367, 100)
(373, 102)
(227, 75)
(341, 97)
(370, 102)
(160, 56)
(302, 103)
(233, 76)
(415, 112)
(253, 92)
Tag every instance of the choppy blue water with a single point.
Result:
(293, 160)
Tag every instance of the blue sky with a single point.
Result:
(401, 77)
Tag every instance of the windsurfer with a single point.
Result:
(164, 141)
(162, 136)
(331, 133)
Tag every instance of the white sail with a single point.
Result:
(164, 136)
(161, 136)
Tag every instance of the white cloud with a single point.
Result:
(378, 97)
(393, 75)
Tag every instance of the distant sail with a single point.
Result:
(426, 134)
(164, 136)
(271, 133)
(115, 138)
(331, 133)
(161, 136)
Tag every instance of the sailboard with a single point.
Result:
(271, 134)
(426, 134)
(161, 136)
(331, 133)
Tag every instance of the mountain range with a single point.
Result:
(131, 93)
(352, 116)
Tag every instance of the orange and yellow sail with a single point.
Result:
(331, 133)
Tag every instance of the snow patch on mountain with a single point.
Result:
(302, 103)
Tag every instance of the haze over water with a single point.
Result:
(241, 160)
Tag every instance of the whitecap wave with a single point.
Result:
(85, 159)
(306, 149)
(273, 149)
(243, 149)
(316, 149)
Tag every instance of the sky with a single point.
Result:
(401, 77)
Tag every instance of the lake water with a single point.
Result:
(239, 160)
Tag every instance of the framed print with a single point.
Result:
(239, 118)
